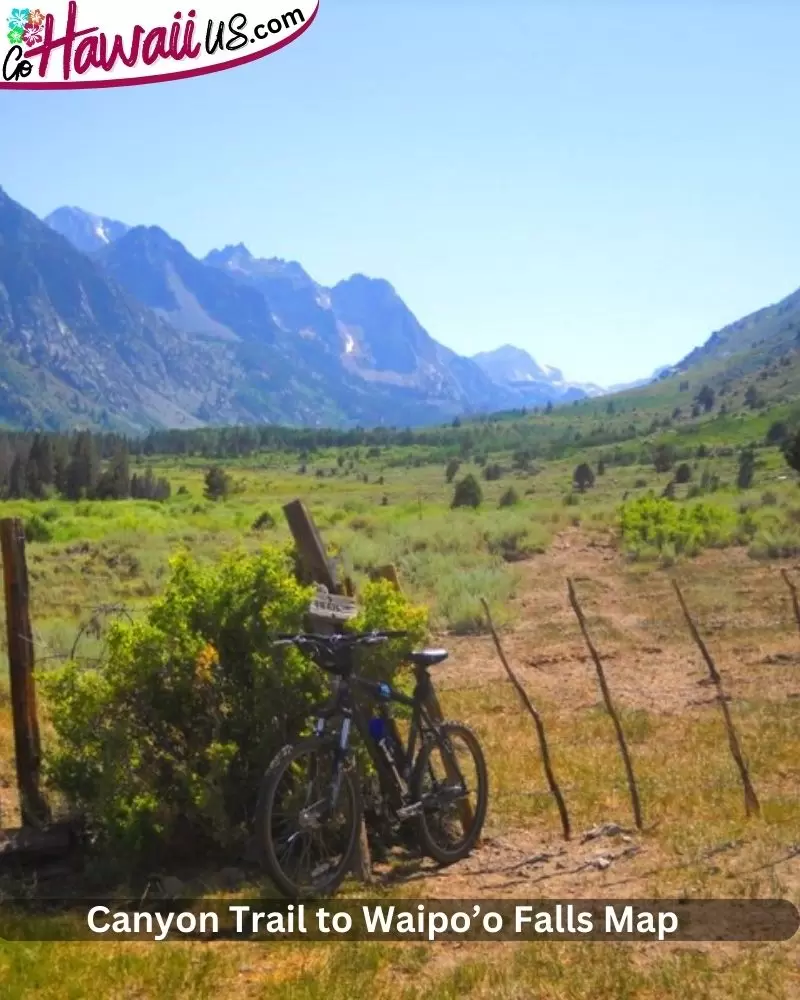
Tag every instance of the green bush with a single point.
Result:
(653, 525)
(493, 472)
(37, 529)
(384, 607)
(217, 484)
(452, 469)
(164, 746)
(264, 522)
(468, 492)
(583, 477)
(510, 498)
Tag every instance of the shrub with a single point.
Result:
(663, 458)
(513, 543)
(752, 398)
(493, 472)
(649, 524)
(510, 498)
(385, 607)
(791, 451)
(706, 398)
(164, 744)
(683, 473)
(452, 469)
(265, 521)
(523, 459)
(217, 484)
(583, 477)
(37, 529)
(772, 543)
(778, 432)
(468, 492)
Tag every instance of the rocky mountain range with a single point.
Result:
(112, 325)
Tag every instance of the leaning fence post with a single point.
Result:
(548, 769)
(623, 746)
(793, 592)
(751, 803)
(316, 567)
(27, 745)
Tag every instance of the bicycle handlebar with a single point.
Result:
(352, 639)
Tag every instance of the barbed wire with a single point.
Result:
(92, 627)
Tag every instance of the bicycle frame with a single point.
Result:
(394, 785)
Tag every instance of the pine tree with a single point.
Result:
(83, 469)
(17, 479)
(43, 456)
(218, 483)
(746, 471)
(583, 477)
(468, 492)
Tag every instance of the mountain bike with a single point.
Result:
(310, 805)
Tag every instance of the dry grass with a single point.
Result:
(697, 841)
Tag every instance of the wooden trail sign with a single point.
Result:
(332, 607)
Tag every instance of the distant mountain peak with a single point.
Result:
(363, 283)
(239, 259)
(511, 365)
(237, 250)
(86, 231)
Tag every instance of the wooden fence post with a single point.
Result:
(318, 568)
(537, 719)
(27, 745)
(793, 592)
(609, 703)
(387, 573)
(751, 803)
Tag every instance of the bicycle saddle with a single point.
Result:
(428, 657)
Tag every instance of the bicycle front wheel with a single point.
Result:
(452, 783)
(307, 844)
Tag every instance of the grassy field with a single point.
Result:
(396, 508)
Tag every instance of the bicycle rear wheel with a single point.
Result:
(452, 782)
(307, 848)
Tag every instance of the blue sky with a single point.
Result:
(603, 184)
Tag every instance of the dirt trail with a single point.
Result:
(744, 613)
(637, 625)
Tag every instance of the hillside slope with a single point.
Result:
(75, 348)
